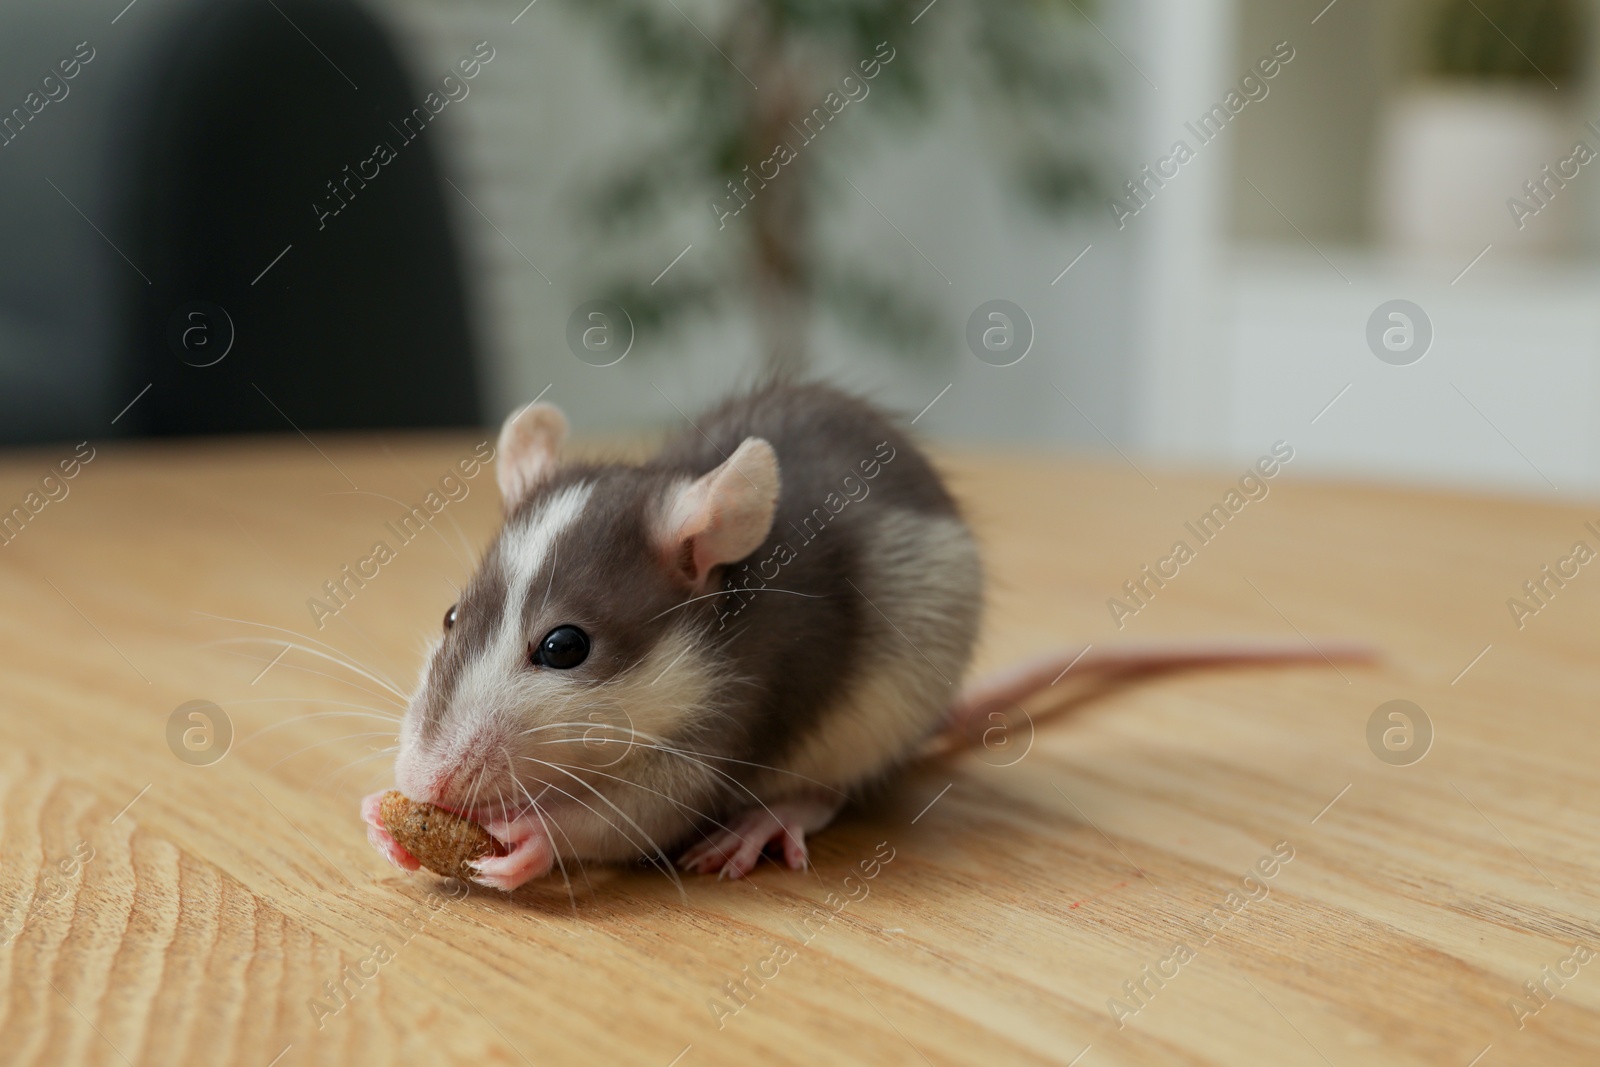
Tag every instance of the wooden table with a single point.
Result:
(159, 911)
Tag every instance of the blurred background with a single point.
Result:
(1379, 239)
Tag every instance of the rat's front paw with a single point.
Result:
(531, 854)
(380, 837)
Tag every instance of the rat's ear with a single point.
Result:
(530, 446)
(722, 516)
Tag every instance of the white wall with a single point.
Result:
(1506, 397)
(1170, 341)
(1516, 335)
(551, 106)
(1183, 50)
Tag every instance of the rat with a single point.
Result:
(702, 657)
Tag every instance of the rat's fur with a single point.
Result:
(803, 668)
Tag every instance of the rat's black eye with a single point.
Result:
(562, 648)
(450, 616)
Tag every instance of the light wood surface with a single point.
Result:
(1019, 898)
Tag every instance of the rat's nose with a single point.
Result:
(424, 780)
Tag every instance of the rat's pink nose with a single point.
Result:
(426, 780)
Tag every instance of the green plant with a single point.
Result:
(1511, 40)
(701, 64)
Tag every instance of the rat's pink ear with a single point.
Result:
(530, 447)
(722, 516)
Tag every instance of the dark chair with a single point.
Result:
(239, 125)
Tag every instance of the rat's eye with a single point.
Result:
(562, 648)
(450, 616)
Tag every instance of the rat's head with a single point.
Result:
(579, 639)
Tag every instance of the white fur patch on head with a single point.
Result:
(724, 515)
(523, 548)
(529, 450)
(486, 683)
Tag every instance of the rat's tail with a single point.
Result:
(1012, 685)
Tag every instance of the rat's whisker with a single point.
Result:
(680, 805)
(387, 713)
(586, 725)
(377, 753)
(555, 556)
(534, 807)
(714, 770)
(570, 724)
(329, 652)
(671, 871)
(379, 693)
(329, 741)
(476, 790)
(358, 761)
(319, 715)
(597, 814)
(727, 592)
(583, 872)
(282, 630)
(344, 619)
(461, 535)
(661, 745)
(403, 507)
(308, 650)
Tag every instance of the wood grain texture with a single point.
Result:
(1028, 882)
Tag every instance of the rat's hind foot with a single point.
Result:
(734, 850)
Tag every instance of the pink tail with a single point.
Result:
(1015, 684)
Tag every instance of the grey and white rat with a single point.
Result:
(704, 656)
